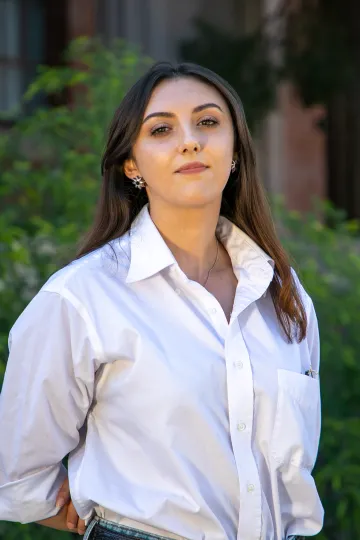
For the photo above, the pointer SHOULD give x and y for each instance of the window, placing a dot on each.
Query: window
(22, 35)
(111, 20)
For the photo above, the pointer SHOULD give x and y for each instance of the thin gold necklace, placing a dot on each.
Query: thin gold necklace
(217, 252)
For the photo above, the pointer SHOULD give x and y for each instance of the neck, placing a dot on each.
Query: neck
(190, 235)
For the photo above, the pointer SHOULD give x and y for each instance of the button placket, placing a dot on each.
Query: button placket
(212, 307)
(207, 302)
(240, 390)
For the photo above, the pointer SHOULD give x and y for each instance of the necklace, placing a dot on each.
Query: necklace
(217, 252)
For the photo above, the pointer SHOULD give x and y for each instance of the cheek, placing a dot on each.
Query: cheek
(224, 142)
(220, 145)
(222, 155)
(153, 155)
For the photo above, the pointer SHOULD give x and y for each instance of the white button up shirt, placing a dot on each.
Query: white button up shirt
(175, 421)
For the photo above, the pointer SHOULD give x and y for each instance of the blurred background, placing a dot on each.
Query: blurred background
(64, 68)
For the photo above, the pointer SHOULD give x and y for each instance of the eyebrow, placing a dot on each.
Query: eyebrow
(197, 109)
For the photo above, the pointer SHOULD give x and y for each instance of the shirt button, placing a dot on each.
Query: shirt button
(238, 364)
(213, 310)
(250, 488)
(241, 427)
(178, 291)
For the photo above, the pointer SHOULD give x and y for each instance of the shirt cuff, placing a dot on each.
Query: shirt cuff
(32, 498)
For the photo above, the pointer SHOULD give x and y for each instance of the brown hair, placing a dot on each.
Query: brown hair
(243, 200)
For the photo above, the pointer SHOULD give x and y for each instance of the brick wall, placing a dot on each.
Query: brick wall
(81, 18)
(304, 148)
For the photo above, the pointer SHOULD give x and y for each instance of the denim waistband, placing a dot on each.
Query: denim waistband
(102, 529)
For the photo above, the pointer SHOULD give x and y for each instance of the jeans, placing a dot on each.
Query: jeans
(102, 529)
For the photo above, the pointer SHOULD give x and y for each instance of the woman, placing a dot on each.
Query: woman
(176, 359)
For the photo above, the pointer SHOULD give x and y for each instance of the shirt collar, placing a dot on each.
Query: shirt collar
(243, 251)
(150, 253)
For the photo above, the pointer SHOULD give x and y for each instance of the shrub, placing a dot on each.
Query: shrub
(328, 261)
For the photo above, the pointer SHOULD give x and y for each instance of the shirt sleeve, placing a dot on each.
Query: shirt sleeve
(47, 391)
(313, 341)
(313, 338)
(312, 331)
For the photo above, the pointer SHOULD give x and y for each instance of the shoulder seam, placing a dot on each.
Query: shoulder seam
(79, 307)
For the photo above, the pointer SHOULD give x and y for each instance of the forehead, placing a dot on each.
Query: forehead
(184, 93)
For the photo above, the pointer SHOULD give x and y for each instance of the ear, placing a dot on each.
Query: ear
(130, 169)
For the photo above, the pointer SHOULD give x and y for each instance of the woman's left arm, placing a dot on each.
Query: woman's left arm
(313, 343)
(313, 339)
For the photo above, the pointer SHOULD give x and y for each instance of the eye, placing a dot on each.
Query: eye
(160, 130)
(209, 121)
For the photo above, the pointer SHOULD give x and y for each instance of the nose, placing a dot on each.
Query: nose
(189, 144)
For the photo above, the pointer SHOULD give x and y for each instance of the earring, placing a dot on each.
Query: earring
(139, 182)
(233, 165)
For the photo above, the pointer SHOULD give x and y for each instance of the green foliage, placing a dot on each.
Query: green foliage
(49, 181)
(14, 531)
(50, 168)
(328, 262)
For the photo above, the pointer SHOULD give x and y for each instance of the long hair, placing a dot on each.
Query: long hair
(243, 200)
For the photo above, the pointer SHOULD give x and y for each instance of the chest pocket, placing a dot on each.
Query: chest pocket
(296, 431)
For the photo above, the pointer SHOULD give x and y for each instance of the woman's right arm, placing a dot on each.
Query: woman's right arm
(67, 518)
(47, 391)
(58, 522)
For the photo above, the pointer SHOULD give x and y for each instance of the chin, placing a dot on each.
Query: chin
(197, 200)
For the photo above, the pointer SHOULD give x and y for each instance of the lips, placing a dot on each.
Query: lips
(195, 166)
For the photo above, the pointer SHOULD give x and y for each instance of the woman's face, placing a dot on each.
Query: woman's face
(186, 121)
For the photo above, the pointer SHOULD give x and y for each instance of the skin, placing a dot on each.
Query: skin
(67, 519)
(185, 208)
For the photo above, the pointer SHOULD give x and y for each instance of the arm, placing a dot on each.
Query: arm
(313, 342)
(313, 338)
(67, 518)
(47, 391)
(58, 522)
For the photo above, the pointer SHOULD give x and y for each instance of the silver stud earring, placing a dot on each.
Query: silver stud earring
(139, 182)
(233, 165)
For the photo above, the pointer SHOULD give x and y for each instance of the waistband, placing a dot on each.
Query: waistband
(99, 528)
